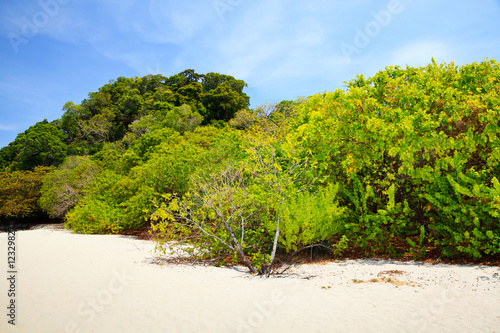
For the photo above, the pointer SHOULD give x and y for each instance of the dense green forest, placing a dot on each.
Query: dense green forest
(398, 163)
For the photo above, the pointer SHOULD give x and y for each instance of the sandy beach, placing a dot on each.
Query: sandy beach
(105, 283)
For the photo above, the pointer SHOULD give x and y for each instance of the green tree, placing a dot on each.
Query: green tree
(130, 105)
(7, 155)
(183, 79)
(40, 145)
(222, 103)
(182, 119)
(73, 114)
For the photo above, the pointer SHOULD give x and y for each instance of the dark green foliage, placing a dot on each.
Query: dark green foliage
(222, 103)
(7, 155)
(223, 97)
(181, 101)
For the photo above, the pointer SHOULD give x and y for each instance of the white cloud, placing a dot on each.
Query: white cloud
(419, 53)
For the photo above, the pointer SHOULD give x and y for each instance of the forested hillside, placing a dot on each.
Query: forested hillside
(402, 162)
(107, 124)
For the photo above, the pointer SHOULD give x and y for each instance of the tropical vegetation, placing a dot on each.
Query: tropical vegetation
(402, 162)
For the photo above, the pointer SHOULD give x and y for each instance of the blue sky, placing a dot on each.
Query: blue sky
(55, 51)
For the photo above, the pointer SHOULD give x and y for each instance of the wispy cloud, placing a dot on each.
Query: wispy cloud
(24, 95)
(141, 35)
(7, 128)
(179, 21)
(420, 52)
(271, 37)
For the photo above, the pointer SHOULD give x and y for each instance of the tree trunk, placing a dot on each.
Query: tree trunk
(267, 269)
(247, 262)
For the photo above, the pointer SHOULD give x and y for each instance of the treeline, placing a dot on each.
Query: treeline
(123, 107)
(399, 163)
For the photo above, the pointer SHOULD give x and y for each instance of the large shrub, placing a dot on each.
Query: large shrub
(20, 191)
(417, 152)
(97, 211)
(63, 187)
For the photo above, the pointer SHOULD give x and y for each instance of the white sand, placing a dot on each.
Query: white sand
(83, 283)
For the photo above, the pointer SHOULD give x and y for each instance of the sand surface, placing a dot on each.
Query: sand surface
(88, 283)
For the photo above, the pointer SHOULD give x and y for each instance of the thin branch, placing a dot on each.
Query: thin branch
(309, 247)
(186, 218)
